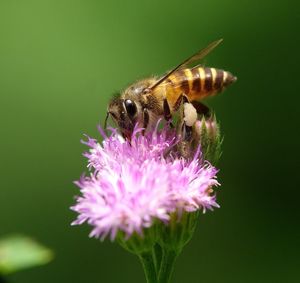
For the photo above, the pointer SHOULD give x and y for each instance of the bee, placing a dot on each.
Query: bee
(147, 100)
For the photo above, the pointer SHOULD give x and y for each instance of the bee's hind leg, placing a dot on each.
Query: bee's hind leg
(201, 108)
(186, 132)
(187, 118)
(185, 145)
(188, 114)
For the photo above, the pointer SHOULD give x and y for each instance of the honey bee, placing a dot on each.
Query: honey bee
(147, 100)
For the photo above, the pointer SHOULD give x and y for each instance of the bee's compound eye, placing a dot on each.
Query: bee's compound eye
(130, 107)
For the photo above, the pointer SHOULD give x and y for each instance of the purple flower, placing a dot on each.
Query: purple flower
(133, 183)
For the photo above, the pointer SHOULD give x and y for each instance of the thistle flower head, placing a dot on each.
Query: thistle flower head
(131, 184)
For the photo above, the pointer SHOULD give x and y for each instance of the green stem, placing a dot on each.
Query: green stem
(167, 266)
(157, 256)
(148, 264)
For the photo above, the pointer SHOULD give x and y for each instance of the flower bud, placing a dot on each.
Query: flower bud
(208, 135)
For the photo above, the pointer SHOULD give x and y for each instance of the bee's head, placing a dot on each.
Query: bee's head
(124, 113)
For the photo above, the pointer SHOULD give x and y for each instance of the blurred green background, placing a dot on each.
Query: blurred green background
(60, 61)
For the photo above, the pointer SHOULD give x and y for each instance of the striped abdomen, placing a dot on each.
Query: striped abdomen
(198, 82)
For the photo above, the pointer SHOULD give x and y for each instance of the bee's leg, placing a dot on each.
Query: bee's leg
(188, 116)
(185, 125)
(188, 122)
(167, 112)
(201, 108)
(178, 103)
(146, 119)
(187, 132)
(188, 112)
(185, 146)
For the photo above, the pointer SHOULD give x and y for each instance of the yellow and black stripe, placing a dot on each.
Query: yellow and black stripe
(199, 82)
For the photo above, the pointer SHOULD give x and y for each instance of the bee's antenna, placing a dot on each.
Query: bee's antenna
(106, 118)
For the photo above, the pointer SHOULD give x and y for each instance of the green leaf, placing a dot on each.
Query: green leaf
(19, 252)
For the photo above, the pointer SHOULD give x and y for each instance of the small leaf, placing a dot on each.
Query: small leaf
(19, 252)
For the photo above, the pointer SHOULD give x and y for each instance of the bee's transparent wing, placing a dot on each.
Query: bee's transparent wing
(196, 57)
